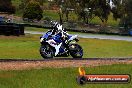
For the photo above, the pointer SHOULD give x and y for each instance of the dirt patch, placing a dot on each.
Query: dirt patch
(22, 65)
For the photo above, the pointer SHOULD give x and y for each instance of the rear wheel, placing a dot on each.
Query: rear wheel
(46, 51)
(76, 51)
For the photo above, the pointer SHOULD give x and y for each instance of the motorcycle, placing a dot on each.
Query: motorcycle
(67, 47)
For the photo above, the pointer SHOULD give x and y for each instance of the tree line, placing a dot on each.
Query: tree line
(85, 10)
(88, 9)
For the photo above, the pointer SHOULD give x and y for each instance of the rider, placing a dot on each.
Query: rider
(56, 29)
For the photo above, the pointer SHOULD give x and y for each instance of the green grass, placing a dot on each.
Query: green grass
(60, 77)
(51, 14)
(16, 2)
(110, 22)
(28, 47)
(106, 48)
(19, 47)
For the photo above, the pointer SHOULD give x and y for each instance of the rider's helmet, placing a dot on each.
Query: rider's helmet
(54, 26)
(53, 23)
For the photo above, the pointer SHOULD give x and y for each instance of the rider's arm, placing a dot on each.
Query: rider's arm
(65, 32)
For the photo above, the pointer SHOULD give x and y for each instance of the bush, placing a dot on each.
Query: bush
(33, 11)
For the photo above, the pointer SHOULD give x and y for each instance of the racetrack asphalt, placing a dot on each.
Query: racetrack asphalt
(94, 36)
(52, 59)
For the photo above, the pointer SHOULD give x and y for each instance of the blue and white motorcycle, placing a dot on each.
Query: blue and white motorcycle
(55, 46)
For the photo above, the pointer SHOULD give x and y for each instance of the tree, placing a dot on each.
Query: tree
(79, 10)
(123, 10)
(6, 6)
(86, 9)
(128, 9)
(102, 10)
(65, 7)
(25, 2)
(33, 11)
(118, 10)
(91, 8)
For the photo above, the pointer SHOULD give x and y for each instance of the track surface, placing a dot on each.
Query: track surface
(52, 59)
(23, 64)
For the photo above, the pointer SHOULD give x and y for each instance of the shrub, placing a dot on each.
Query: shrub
(33, 11)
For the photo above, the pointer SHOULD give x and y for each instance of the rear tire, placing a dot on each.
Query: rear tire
(76, 51)
(46, 51)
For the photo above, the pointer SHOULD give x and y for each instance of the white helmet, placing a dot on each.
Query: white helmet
(53, 23)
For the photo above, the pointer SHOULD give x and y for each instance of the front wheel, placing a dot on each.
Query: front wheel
(76, 51)
(46, 51)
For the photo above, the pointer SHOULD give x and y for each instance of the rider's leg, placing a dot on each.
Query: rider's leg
(54, 44)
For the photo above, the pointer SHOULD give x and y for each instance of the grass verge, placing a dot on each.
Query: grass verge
(60, 77)
(28, 47)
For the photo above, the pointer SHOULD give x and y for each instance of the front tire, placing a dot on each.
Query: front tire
(46, 51)
(76, 51)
